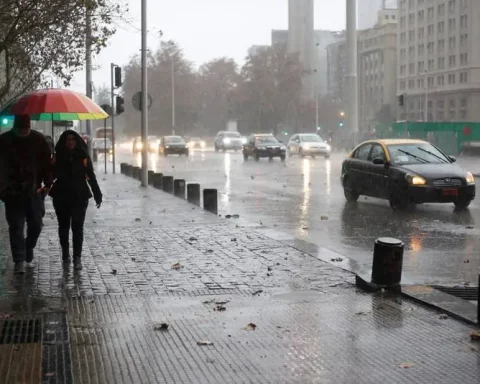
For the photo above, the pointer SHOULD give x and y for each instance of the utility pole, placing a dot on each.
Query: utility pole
(173, 95)
(112, 115)
(88, 59)
(352, 80)
(144, 120)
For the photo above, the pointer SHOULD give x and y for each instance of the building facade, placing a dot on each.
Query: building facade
(301, 40)
(377, 68)
(367, 11)
(439, 60)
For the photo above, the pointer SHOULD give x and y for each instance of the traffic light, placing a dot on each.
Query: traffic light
(4, 121)
(118, 77)
(119, 107)
(401, 100)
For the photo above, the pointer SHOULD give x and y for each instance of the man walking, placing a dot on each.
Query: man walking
(25, 177)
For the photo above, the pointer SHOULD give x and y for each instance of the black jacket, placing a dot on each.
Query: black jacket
(73, 172)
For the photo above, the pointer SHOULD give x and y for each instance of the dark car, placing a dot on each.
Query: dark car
(406, 172)
(173, 145)
(264, 145)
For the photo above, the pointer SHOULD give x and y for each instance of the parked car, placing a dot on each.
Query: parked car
(173, 145)
(264, 145)
(308, 144)
(226, 140)
(405, 172)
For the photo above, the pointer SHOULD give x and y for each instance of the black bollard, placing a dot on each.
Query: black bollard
(129, 170)
(179, 188)
(167, 184)
(478, 301)
(150, 177)
(193, 193)
(122, 168)
(137, 173)
(210, 202)
(157, 180)
(387, 262)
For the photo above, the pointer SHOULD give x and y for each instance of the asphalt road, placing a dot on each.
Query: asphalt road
(304, 199)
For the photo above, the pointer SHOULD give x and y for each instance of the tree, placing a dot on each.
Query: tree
(40, 37)
(385, 115)
(103, 96)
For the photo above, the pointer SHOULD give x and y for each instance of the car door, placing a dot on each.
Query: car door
(357, 169)
(377, 173)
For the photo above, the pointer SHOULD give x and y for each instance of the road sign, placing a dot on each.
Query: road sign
(137, 101)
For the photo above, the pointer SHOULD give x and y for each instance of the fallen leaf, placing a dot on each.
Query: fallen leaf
(133, 259)
(475, 336)
(443, 317)
(235, 216)
(228, 216)
(470, 227)
(192, 239)
(114, 272)
(336, 260)
(220, 308)
(222, 302)
(204, 342)
(161, 327)
(324, 218)
(406, 365)
(176, 266)
(361, 313)
(208, 301)
(250, 327)
(257, 292)
(138, 219)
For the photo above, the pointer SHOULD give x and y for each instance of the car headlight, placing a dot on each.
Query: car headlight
(470, 178)
(167, 146)
(227, 141)
(416, 180)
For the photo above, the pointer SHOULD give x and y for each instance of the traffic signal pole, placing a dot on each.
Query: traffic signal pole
(112, 94)
(144, 102)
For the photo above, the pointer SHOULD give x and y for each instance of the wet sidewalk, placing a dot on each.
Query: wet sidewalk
(172, 294)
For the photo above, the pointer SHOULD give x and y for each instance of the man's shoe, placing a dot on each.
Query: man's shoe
(19, 268)
(29, 255)
(77, 264)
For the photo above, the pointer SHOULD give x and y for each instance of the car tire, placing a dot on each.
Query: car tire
(462, 204)
(283, 158)
(399, 201)
(350, 194)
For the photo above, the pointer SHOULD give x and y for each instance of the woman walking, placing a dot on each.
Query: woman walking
(72, 169)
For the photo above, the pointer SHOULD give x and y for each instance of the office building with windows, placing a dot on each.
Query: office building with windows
(438, 67)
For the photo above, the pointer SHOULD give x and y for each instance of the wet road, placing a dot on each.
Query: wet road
(304, 198)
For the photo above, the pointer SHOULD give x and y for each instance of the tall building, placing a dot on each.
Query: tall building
(377, 66)
(439, 60)
(301, 40)
(322, 39)
(368, 9)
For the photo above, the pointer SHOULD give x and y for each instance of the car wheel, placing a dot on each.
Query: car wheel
(399, 200)
(350, 194)
(282, 158)
(462, 204)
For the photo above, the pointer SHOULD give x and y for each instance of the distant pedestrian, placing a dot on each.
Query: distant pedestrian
(25, 178)
(72, 170)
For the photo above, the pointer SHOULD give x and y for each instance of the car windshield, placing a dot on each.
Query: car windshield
(311, 139)
(231, 135)
(421, 153)
(174, 140)
(266, 140)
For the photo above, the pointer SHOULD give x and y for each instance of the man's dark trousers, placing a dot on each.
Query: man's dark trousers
(19, 210)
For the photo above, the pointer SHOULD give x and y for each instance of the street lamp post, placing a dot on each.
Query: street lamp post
(173, 95)
(144, 103)
(316, 89)
(352, 111)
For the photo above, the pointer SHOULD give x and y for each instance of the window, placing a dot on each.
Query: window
(411, 36)
(411, 18)
(411, 52)
(463, 58)
(441, 45)
(441, 10)
(421, 66)
(431, 64)
(403, 54)
(441, 63)
(430, 13)
(440, 104)
(431, 48)
(463, 113)
(451, 5)
(451, 103)
(421, 49)
(431, 30)
(463, 40)
(430, 82)
(402, 85)
(411, 84)
(403, 70)
(452, 61)
(451, 43)
(440, 80)
(451, 78)
(463, 3)
(377, 152)
(403, 37)
(421, 33)
(463, 77)
(452, 24)
(363, 152)
(411, 69)
(463, 103)
(403, 21)
(441, 27)
(420, 83)
(421, 16)
(463, 21)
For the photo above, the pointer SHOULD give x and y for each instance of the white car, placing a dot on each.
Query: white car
(226, 140)
(308, 144)
(98, 145)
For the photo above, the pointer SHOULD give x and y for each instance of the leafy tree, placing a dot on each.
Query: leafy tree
(103, 96)
(41, 37)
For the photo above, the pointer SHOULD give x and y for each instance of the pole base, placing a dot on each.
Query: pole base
(363, 282)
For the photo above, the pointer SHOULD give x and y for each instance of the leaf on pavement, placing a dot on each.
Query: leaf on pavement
(475, 335)
(161, 327)
(406, 365)
(204, 342)
(177, 266)
(323, 217)
(250, 327)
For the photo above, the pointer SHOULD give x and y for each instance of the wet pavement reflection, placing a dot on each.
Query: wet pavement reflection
(304, 198)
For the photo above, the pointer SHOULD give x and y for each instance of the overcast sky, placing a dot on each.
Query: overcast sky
(206, 29)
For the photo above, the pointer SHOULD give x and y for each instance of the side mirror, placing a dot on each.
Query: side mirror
(453, 159)
(378, 161)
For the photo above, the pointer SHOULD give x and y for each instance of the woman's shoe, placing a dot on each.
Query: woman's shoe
(77, 264)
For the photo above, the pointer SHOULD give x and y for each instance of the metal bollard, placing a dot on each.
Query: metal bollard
(129, 170)
(167, 184)
(387, 262)
(179, 188)
(478, 301)
(136, 173)
(157, 180)
(193, 193)
(210, 201)
(150, 177)
(122, 168)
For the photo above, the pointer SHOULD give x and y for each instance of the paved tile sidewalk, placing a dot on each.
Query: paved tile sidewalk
(312, 325)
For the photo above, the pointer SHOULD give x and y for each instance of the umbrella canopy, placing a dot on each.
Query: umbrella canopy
(54, 104)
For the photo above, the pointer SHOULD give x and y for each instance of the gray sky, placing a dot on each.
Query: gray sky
(206, 29)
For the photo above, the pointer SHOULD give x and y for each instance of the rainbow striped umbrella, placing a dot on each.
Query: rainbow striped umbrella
(54, 104)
